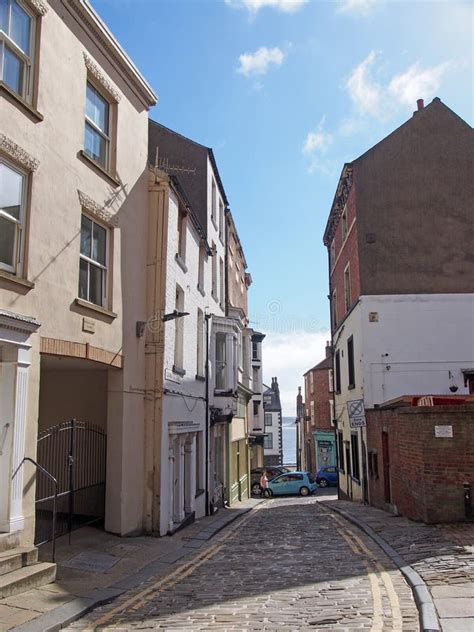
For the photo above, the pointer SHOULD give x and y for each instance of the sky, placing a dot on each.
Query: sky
(285, 92)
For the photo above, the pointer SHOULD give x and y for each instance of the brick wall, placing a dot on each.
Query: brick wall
(426, 472)
(346, 252)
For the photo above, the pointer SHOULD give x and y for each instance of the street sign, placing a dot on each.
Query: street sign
(356, 411)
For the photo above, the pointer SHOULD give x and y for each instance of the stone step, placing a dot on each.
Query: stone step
(9, 541)
(17, 558)
(26, 578)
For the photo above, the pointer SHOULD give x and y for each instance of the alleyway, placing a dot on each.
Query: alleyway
(290, 564)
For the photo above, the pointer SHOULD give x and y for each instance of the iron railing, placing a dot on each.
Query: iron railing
(55, 497)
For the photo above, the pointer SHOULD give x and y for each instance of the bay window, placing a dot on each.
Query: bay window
(93, 262)
(221, 362)
(97, 127)
(16, 47)
(12, 216)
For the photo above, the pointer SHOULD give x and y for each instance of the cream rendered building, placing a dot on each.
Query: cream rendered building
(73, 190)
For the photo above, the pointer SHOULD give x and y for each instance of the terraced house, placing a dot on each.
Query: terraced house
(73, 196)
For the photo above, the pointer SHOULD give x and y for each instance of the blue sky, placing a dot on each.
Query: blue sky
(285, 91)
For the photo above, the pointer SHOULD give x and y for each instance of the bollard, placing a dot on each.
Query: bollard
(467, 501)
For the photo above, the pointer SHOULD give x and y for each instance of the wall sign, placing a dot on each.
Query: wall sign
(356, 411)
(444, 432)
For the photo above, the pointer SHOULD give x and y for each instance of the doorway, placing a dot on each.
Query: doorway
(386, 468)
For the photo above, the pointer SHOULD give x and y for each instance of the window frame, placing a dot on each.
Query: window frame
(110, 116)
(334, 309)
(355, 465)
(340, 451)
(347, 288)
(351, 363)
(221, 363)
(337, 367)
(268, 439)
(332, 253)
(90, 261)
(182, 230)
(28, 61)
(200, 362)
(213, 201)
(178, 351)
(266, 417)
(19, 246)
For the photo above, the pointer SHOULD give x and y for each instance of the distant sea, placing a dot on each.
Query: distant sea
(289, 441)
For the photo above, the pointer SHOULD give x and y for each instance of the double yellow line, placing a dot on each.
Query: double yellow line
(138, 600)
(373, 567)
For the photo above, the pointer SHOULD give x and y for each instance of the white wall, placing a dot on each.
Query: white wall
(415, 343)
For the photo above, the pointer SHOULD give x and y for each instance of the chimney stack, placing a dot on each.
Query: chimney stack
(420, 104)
(328, 349)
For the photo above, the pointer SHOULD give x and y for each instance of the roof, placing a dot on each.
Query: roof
(324, 364)
(181, 193)
(102, 35)
(345, 179)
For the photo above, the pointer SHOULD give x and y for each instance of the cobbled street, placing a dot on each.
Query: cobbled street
(290, 564)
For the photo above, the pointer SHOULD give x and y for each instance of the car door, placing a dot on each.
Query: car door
(332, 475)
(294, 483)
(278, 485)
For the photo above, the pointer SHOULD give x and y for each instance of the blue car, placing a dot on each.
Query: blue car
(301, 483)
(327, 476)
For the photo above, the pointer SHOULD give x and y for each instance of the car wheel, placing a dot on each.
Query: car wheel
(267, 493)
(304, 491)
(323, 482)
(256, 489)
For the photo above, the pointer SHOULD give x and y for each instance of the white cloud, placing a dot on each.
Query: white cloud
(364, 91)
(417, 83)
(357, 7)
(315, 146)
(287, 356)
(317, 141)
(254, 6)
(258, 63)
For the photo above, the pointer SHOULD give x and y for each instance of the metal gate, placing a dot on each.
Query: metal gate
(74, 452)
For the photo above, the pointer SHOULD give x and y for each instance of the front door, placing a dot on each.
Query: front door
(386, 468)
(7, 418)
(348, 470)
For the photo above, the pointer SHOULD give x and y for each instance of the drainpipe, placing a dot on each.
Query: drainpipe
(207, 317)
(333, 421)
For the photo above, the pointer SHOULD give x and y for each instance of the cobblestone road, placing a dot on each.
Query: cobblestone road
(290, 564)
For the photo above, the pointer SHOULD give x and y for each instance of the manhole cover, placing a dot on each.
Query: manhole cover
(96, 562)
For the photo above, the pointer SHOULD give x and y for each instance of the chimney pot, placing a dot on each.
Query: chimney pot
(420, 104)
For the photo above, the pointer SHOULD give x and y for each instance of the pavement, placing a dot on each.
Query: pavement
(282, 564)
(97, 567)
(290, 564)
(442, 555)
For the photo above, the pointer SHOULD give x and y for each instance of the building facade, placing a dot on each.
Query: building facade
(398, 329)
(71, 241)
(256, 405)
(273, 423)
(318, 429)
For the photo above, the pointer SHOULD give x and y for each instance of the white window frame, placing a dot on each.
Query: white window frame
(311, 405)
(222, 363)
(28, 61)
(19, 245)
(214, 271)
(268, 439)
(347, 287)
(107, 137)
(182, 234)
(178, 354)
(221, 282)
(201, 267)
(268, 423)
(311, 382)
(200, 344)
(90, 261)
(334, 309)
(333, 253)
(221, 220)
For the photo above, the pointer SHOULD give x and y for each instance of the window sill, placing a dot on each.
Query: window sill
(356, 480)
(201, 290)
(200, 378)
(180, 261)
(199, 492)
(15, 280)
(223, 393)
(95, 308)
(351, 387)
(179, 371)
(221, 239)
(214, 223)
(97, 167)
(15, 98)
(214, 296)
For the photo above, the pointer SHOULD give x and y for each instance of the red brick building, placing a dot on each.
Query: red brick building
(318, 429)
(421, 457)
